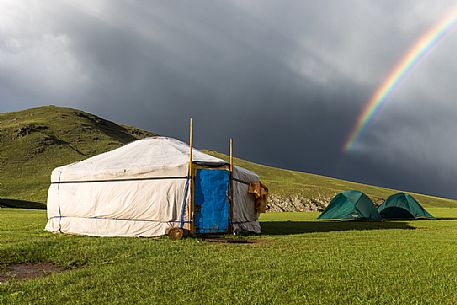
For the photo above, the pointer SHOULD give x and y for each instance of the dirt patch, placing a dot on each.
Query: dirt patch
(28, 129)
(27, 271)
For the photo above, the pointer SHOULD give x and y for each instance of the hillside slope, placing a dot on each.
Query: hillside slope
(35, 141)
(298, 191)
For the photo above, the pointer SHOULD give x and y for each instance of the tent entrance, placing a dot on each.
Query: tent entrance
(396, 213)
(211, 201)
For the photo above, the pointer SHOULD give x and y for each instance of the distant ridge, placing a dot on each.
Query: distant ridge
(35, 141)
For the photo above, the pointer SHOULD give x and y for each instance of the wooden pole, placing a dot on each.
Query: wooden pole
(231, 155)
(231, 188)
(191, 182)
(190, 144)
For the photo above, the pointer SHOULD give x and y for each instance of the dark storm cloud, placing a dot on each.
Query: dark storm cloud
(286, 79)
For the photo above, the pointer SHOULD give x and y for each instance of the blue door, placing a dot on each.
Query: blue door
(211, 204)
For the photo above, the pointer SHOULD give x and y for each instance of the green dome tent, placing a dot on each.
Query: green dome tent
(350, 205)
(402, 206)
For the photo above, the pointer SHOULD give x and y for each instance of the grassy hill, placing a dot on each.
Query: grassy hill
(35, 141)
(287, 183)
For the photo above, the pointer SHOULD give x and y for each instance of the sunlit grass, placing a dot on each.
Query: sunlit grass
(297, 260)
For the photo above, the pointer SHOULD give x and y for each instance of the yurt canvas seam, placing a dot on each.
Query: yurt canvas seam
(240, 181)
(119, 180)
(120, 219)
(60, 212)
(183, 209)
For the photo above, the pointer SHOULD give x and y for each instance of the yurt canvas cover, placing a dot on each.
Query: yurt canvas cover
(142, 189)
(402, 206)
(350, 205)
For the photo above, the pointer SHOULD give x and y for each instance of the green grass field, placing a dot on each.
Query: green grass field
(297, 260)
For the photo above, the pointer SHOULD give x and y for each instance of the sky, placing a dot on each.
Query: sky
(286, 79)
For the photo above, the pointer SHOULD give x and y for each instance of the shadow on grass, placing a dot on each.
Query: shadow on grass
(21, 204)
(444, 218)
(299, 227)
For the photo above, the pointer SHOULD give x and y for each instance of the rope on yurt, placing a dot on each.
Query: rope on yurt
(60, 212)
(117, 180)
(240, 181)
(183, 210)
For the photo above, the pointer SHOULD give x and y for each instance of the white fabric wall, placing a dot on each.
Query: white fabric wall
(150, 206)
(245, 216)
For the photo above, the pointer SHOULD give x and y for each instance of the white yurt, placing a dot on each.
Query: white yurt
(144, 189)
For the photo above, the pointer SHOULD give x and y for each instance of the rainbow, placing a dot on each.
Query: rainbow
(418, 51)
